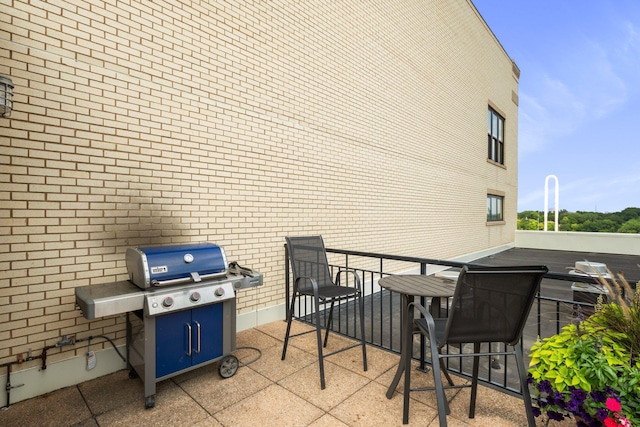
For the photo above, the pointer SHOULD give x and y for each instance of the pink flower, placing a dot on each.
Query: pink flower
(613, 405)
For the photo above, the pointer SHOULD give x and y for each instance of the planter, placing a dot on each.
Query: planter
(585, 371)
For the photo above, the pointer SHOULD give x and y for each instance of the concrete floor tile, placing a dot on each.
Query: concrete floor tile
(492, 408)
(256, 338)
(278, 328)
(90, 422)
(210, 421)
(327, 421)
(112, 391)
(273, 367)
(378, 361)
(369, 407)
(309, 342)
(215, 393)
(273, 406)
(340, 384)
(421, 379)
(59, 408)
(173, 407)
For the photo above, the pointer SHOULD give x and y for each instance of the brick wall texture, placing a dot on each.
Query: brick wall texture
(238, 122)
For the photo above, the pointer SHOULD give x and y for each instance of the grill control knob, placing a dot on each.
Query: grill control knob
(195, 297)
(219, 292)
(167, 302)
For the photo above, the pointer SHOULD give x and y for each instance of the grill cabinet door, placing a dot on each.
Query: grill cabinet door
(207, 327)
(172, 342)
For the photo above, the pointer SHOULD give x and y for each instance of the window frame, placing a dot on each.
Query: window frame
(495, 208)
(495, 136)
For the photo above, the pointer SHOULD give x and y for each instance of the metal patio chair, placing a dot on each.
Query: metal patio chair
(312, 278)
(490, 305)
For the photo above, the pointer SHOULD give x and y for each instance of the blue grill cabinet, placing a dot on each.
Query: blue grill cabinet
(162, 346)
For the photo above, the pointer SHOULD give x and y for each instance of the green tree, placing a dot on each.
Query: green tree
(528, 224)
(630, 213)
(625, 221)
(631, 226)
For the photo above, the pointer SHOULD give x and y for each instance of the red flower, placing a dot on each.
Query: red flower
(613, 405)
(610, 422)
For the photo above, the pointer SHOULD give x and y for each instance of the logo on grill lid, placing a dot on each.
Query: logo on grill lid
(159, 269)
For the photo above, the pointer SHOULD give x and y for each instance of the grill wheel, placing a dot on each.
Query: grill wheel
(228, 366)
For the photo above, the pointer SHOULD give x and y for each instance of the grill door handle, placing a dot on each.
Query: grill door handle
(189, 340)
(198, 340)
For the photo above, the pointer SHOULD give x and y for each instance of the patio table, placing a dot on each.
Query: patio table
(411, 286)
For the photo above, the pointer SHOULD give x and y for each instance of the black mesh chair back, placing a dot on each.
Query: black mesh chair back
(312, 277)
(489, 305)
(309, 259)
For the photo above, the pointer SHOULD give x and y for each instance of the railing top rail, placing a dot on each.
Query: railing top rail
(448, 263)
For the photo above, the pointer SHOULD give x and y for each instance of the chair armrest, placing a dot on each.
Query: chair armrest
(431, 324)
(314, 284)
(356, 278)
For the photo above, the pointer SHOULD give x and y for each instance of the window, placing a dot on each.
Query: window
(494, 207)
(495, 137)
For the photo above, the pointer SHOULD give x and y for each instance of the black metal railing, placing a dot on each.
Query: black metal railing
(383, 320)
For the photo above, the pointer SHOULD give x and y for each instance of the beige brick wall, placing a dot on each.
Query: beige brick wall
(140, 123)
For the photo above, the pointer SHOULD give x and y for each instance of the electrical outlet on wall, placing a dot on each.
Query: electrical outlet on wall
(91, 360)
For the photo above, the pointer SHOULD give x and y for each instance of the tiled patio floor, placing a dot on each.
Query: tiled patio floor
(267, 392)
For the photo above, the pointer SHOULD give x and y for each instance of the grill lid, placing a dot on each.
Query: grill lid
(172, 264)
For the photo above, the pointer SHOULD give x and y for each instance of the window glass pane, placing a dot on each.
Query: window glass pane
(495, 149)
(494, 126)
(494, 207)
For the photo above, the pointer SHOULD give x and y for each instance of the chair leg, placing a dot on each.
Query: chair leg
(289, 319)
(407, 387)
(319, 338)
(445, 372)
(474, 380)
(441, 397)
(523, 384)
(407, 356)
(364, 347)
(329, 324)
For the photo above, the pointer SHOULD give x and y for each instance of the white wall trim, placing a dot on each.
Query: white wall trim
(606, 243)
(33, 381)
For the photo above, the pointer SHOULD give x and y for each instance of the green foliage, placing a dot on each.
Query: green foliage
(585, 358)
(578, 357)
(529, 224)
(630, 226)
(626, 221)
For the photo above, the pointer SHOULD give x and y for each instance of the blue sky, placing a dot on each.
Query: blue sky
(579, 111)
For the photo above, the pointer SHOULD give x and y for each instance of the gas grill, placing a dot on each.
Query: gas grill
(180, 310)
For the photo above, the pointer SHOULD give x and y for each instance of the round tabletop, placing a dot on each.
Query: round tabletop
(419, 285)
